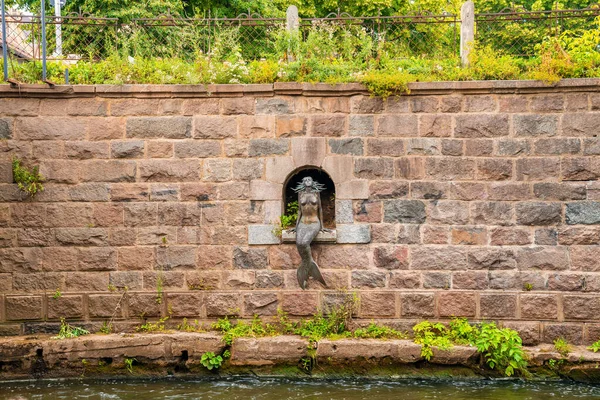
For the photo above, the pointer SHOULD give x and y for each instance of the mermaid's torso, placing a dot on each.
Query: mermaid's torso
(309, 204)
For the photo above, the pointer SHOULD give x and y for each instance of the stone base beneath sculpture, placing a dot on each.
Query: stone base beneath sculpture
(287, 236)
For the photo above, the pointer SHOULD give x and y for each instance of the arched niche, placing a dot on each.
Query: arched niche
(327, 195)
(308, 153)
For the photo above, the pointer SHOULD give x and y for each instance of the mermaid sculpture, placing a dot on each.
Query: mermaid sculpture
(308, 225)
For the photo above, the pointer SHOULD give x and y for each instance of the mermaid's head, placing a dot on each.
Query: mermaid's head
(309, 184)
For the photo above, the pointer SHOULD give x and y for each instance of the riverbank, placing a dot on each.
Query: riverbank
(181, 354)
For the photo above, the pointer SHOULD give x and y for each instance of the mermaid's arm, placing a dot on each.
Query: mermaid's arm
(320, 212)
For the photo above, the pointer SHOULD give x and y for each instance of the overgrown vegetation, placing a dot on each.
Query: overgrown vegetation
(500, 347)
(68, 332)
(562, 347)
(331, 53)
(148, 327)
(595, 347)
(29, 181)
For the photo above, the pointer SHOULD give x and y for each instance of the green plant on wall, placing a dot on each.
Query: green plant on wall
(211, 361)
(29, 181)
(288, 219)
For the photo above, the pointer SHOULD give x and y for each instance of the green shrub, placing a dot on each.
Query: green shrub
(67, 331)
(501, 348)
(562, 347)
(29, 181)
(211, 361)
(595, 347)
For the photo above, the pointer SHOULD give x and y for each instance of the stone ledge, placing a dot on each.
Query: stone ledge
(160, 354)
(293, 88)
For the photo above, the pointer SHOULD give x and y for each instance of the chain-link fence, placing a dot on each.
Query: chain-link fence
(75, 37)
(519, 33)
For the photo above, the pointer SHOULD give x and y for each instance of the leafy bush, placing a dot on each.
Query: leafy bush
(595, 347)
(211, 361)
(562, 347)
(67, 331)
(149, 327)
(29, 181)
(502, 348)
(376, 331)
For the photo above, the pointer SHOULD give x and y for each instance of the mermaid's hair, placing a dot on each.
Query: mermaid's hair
(318, 187)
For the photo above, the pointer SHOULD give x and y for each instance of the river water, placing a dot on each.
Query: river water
(255, 388)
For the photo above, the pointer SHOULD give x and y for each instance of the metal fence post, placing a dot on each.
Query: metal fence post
(43, 15)
(4, 49)
(467, 31)
(292, 24)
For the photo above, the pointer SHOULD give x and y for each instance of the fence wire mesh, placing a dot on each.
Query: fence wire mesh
(519, 33)
(76, 36)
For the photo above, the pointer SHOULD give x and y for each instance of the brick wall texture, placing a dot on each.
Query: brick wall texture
(480, 205)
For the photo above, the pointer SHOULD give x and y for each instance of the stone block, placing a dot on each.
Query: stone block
(260, 304)
(539, 306)
(308, 151)
(557, 146)
(127, 149)
(185, 304)
(217, 170)
(435, 125)
(132, 280)
(422, 146)
(543, 258)
(328, 125)
(159, 127)
(449, 212)
(143, 305)
(361, 125)
(479, 147)
(585, 213)
(397, 125)
(510, 237)
(377, 304)
(451, 147)
(237, 105)
(215, 127)
(491, 169)
(580, 169)
(572, 333)
(374, 168)
(268, 147)
(535, 125)
(169, 170)
(368, 279)
(492, 213)
(410, 168)
(581, 307)
(481, 126)
(176, 257)
(438, 258)
(106, 306)
(470, 280)
(436, 280)
(385, 147)
(339, 168)
(350, 146)
(566, 282)
(404, 211)
(391, 257)
(250, 258)
(560, 191)
(580, 125)
(450, 169)
(300, 304)
(498, 305)
(23, 307)
(108, 171)
(262, 234)
(536, 213)
(416, 305)
(355, 189)
(268, 279)
(65, 307)
(83, 150)
(509, 191)
(469, 236)
(457, 304)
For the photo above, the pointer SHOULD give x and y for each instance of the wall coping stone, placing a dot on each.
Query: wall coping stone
(293, 88)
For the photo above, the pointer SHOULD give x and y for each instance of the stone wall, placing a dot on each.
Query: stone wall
(475, 199)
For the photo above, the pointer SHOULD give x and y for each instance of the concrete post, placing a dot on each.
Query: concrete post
(292, 25)
(467, 31)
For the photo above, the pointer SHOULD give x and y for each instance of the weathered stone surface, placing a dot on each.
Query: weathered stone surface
(448, 212)
(586, 213)
(543, 258)
(397, 125)
(368, 279)
(361, 125)
(417, 305)
(159, 127)
(377, 304)
(539, 306)
(23, 307)
(498, 305)
(537, 169)
(250, 258)
(391, 257)
(535, 125)
(580, 124)
(353, 233)
(352, 146)
(538, 213)
(404, 211)
(220, 304)
(374, 168)
(436, 280)
(482, 125)
(438, 258)
(436, 125)
(457, 304)
(300, 304)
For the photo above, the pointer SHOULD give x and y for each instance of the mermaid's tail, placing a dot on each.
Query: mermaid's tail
(305, 233)
(309, 269)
